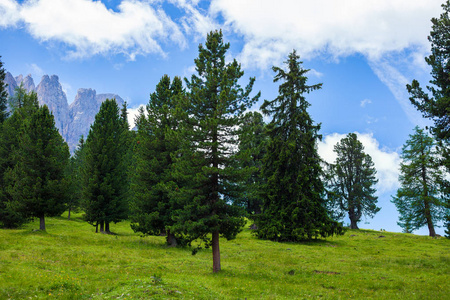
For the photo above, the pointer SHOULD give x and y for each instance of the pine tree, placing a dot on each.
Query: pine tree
(104, 173)
(152, 207)
(352, 180)
(294, 205)
(437, 106)
(216, 105)
(37, 179)
(252, 146)
(74, 178)
(3, 94)
(419, 201)
(12, 213)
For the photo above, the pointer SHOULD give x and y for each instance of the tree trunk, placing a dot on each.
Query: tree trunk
(216, 252)
(429, 220)
(68, 217)
(171, 240)
(353, 224)
(42, 223)
(96, 228)
(102, 228)
(107, 227)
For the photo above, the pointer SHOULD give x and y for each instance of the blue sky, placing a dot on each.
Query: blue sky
(364, 53)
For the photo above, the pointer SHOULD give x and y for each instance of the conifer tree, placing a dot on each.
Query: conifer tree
(37, 179)
(252, 145)
(436, 106)
(3, 94)
(419, 200)
(74, 178)
(352, 180)
(12, 213)
(152, 208)
(216, 105)
(294, 204)
(103, 171)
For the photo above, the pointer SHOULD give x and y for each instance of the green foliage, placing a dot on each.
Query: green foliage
(419, 201)
(294, 204)
(36, 181)
(252, 148)
(437, 106)
(3, 94)
(209, 163)
(74, 177)
(104, 173)
(73, 263)
(351, 181)
(153, 182)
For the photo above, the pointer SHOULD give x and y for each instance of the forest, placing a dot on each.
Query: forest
(200, 166)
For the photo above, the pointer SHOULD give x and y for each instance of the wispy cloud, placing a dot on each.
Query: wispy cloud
(365, 102)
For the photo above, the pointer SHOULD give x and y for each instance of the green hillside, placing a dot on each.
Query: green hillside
(70, 261)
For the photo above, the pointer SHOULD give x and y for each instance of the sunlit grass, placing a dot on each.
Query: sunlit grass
(71, 261)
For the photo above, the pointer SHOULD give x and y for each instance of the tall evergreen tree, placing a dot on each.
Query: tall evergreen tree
(419, 201)
(252, 146)
(12, 213)
(152, 207)
(37, 179)
(437, 105)
(3, 94)
(294, 205)
(103, 171)
(352, 180)
(216, 105)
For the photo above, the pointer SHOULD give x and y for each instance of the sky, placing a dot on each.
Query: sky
(364, 53)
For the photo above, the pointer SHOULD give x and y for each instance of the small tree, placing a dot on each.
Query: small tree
(352, 180)
(152, 207)
(37, 179)
(419, 201)
(103, 171)
(294, 195)
(74, 178)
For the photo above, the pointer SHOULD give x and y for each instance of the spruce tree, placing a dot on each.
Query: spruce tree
(352, 180)
(74, 178)
(104, 172)
(12, 213)
(252, 147)
(152, 207)
(294, 204)
(37, 180)
(3, 94)
(419, 200)
(216, 105)
(436, 106)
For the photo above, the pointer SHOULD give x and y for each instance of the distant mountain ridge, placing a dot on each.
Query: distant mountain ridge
(72, 121)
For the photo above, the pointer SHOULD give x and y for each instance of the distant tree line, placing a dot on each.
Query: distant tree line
(199, 163)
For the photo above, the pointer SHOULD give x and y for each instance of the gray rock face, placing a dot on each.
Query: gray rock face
(11, 82)
(72, 121)
(27, 82)
(50, 92)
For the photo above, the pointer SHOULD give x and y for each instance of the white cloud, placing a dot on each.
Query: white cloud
(336, 28)
(365, 102)
(89, 28)
(386, 162)
(9, 13)
(132, 114)
(36, 71)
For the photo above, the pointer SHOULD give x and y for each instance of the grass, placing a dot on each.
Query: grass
(71, 261)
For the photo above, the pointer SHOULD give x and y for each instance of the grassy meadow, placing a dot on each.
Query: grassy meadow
(71, 261)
